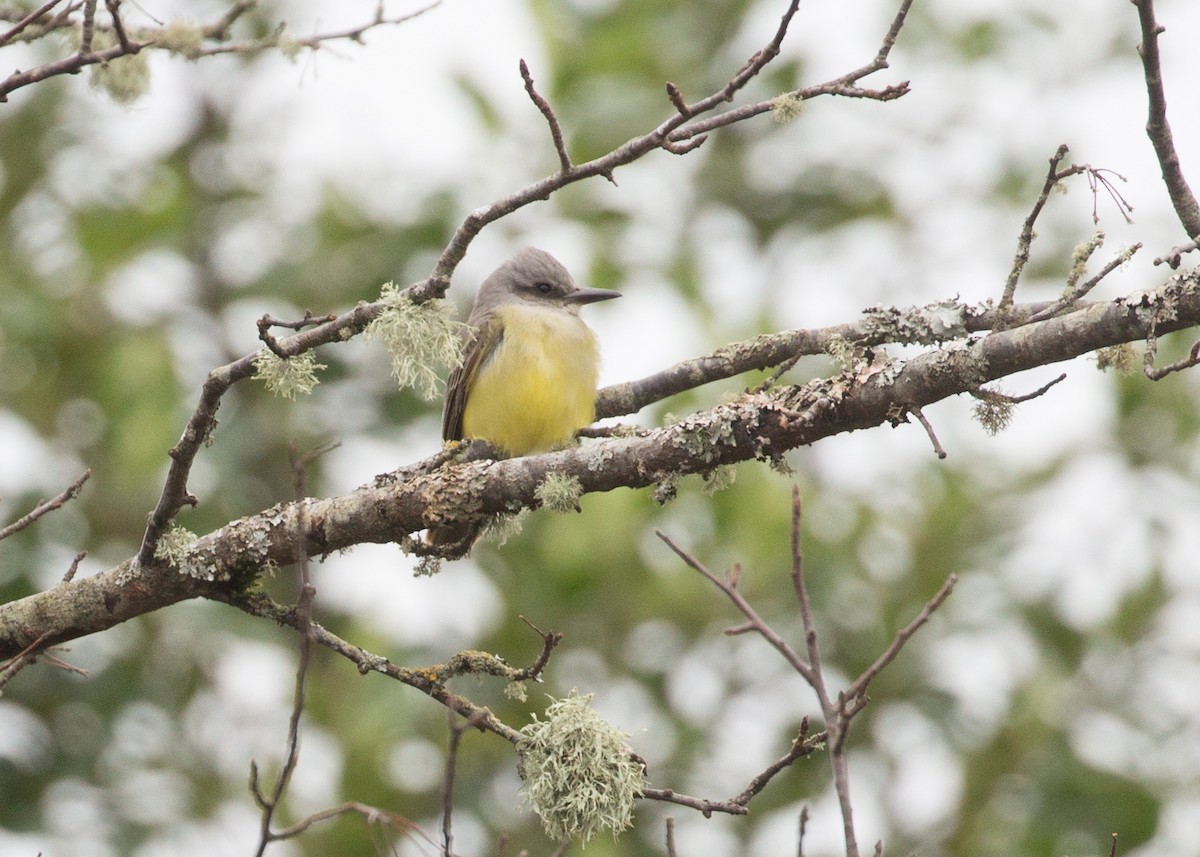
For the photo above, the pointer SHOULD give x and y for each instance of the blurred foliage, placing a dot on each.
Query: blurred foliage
(107, 383)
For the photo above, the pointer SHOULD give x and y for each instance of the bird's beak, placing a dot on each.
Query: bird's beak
(590, 296)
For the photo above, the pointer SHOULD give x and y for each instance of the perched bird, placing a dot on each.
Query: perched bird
(528, 378)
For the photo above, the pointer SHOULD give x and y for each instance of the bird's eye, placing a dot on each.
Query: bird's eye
(544, 288)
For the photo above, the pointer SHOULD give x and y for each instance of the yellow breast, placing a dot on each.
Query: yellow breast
(539, 386)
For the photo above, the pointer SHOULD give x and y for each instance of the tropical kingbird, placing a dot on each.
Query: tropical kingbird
(527, 382)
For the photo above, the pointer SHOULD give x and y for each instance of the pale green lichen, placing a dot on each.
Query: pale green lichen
(174, 545)
(422, 339)
(580, 776)
(666, 489)
(926, 325)
(719, 478)
(516, 690)
(501, 528)
(559, 492)
(786, 107)
(181, 37)
(124, 79)
(994, 412)
(841, 350)
(1121, 358)
(287, 377)
(1079, 260)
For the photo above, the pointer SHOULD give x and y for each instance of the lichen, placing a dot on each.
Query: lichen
(287, 377)
(559, 492)
(422, 339)
(580, 777)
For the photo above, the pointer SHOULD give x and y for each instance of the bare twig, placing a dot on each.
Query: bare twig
(1158, 374)
(730, 589)
(1025, 239)
(925, 424)
(803, 745)
(803, 830)
(550, 639)
(20, 26)
(678, 100)
(27, 656)
(670, 837)
(44, 507)
(269, 805)
(114, 11)
(1075, 294)
(705, 806)
(1173, 257)
(371, 814)
(673, 134)
(70, 574)
(267, 322)
(216, 34)
(995, 395)
(1157, 127)
(543, 105)
(859, 686)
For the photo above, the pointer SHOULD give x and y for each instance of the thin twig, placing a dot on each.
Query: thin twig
(550, 639)
(20, 26)
(1188, 362)
(933, 438)
(1025, 239)
(705, 806)
(995, 395)
(670, 837)
(265, 324)
(543, 105)
(1158, 129)
(44, 507)
(300, 463)
(731, 591)
(803, 830)
(858, 689)
(70, 574)
(803, 745)
(1069, 300)
(371, 814)
(27, 656)
(114, 7)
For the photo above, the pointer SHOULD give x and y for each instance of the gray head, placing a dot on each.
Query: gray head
(534, 277)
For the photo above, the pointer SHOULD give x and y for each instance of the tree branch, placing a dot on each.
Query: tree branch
(1157, 127)
(760, 426)
(71, 492)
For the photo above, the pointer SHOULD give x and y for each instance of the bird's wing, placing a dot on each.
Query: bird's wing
(481, 344)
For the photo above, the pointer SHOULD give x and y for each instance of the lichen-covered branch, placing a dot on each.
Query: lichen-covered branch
(760, 425)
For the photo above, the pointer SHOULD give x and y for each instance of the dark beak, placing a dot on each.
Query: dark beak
(590, 296)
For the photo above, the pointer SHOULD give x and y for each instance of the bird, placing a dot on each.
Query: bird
(527, 381)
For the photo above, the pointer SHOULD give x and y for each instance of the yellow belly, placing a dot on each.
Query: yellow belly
(539, 387)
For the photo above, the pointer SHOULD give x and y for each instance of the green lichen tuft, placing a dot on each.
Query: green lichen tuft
(287, 377)
(579, 775)
(1121, 358)
(174, 544)
(993, 412)
(719, 478)
(422, 339)
(785, 108)
(559, 492)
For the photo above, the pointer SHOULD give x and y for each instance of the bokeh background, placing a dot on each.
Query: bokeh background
(1055, 698)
